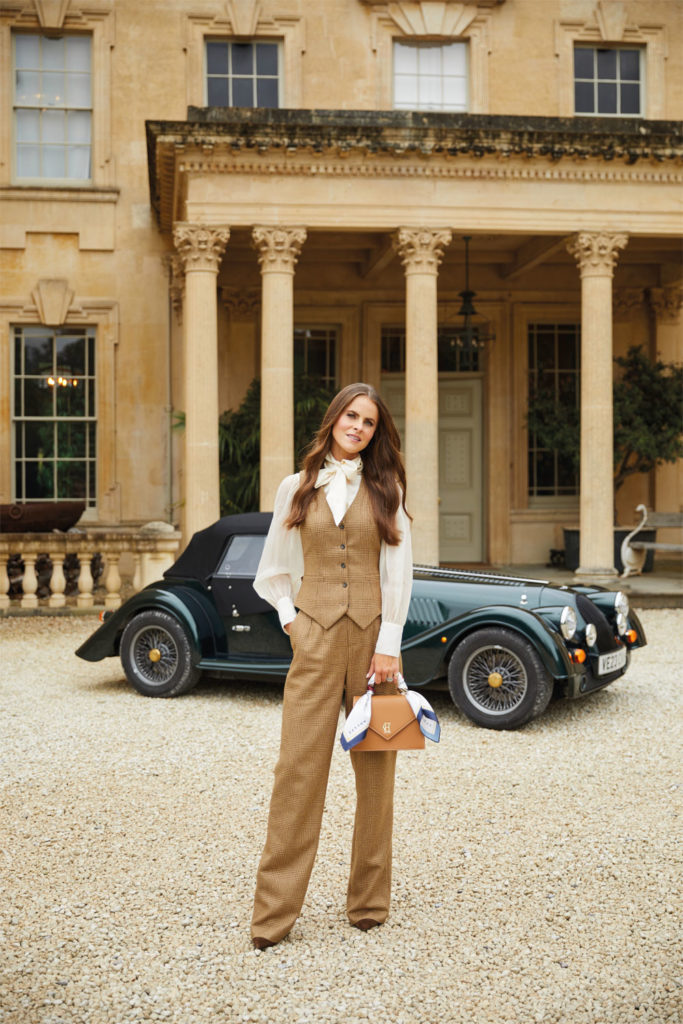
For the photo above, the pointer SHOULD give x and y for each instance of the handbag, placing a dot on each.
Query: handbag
(390, 722)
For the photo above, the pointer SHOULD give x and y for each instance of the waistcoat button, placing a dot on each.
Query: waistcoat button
(343, 565)
(344, 584)
(342, 546)
(341, 526)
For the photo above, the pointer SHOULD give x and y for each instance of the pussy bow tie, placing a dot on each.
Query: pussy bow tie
(334, 475)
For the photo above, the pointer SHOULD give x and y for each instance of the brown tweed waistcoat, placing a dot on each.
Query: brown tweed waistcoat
(341, 563)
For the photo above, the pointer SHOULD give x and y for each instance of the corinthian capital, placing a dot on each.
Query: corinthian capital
(666, 303)
(596, 252)
(420, 249)
(278, 248)
(200, 247)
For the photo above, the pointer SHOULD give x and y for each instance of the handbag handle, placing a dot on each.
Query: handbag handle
(401, 684)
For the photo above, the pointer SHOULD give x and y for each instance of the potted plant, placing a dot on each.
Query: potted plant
(648, 428)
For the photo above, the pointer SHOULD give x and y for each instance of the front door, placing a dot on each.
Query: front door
(461, 535)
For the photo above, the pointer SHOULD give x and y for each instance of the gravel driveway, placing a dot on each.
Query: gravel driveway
(535, 872)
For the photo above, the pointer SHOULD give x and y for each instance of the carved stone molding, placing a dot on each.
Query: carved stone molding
(666, 303)
(242, 305)
(200, 247)
(596, 252)
(625, 301)
(421, 250)
(278, 248)
(52, 297)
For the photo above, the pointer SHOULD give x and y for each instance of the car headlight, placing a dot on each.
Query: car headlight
(622, 623)
(568, 622)
(621, 605)
(591, 634)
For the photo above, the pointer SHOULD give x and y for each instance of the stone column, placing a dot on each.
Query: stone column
(200, 249)
(666, 304)
(596, 254)
(278, 250)
(421, 252)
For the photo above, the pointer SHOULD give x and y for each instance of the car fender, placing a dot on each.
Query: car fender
(189, 604)
(526, 623)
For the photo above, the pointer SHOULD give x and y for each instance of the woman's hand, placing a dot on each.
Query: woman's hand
(288, 627)
(384, 667)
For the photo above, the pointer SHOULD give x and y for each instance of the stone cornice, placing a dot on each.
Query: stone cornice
(368, 143)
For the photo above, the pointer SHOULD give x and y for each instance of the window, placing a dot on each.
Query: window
(607, 81)
(452, 358)
(242, 74)
(554, 392)
(315, 354)
(430, 76)
(54, 414)
(242, 557)
(52, 107)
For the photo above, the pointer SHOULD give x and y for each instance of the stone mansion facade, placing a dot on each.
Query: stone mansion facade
(195, 193)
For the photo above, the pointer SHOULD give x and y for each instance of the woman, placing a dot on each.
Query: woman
(339, 549)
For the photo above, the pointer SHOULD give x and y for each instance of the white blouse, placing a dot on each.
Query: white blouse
(281, 568)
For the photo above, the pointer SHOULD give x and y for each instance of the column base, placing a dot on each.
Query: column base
(602, 576)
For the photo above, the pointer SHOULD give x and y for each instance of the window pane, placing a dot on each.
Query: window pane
(405, 59)
(454, 94)
(91, 440)
(607, 98)
(630, 99)
(27, 88)
(27, 49)
(71, 399)
(53, 52)
(78, 90)
(583, 98)
(39, 439)
(242, 59)
(429, 60)
(92, 485)
(583, 63)
(267, 92)
(607, 63)
(54, 90)
(71, 440)
(78, 126)
(629, 62)
(91, 397)
(28, 125)
(454, 59)
(405, 90)
(71, 479)
(39, 480)
(54, 161)
(37, 355)
(78, 53)
(28, 161)
(430, 91)
(266, 58)
(217, 58)
(243, 92)
(54, 126)
(37, 398)
(78, 163)
(70, 356)
(217, 92)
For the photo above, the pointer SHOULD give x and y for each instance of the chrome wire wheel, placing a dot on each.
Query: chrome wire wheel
(494, 680)
(155, 654)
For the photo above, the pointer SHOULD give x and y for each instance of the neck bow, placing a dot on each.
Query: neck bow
(334, 476)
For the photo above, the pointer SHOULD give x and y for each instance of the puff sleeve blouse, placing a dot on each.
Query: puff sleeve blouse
(281, 568)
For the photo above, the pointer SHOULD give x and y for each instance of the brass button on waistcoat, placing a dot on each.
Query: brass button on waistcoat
(343, 565)
(342, 546)
(344, 584)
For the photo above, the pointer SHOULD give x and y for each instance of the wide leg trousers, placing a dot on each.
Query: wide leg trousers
(326, 664)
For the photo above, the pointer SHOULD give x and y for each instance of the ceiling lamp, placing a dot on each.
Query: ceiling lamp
(469, 335)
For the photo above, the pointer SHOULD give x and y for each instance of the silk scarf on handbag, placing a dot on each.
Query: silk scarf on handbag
(368, 725)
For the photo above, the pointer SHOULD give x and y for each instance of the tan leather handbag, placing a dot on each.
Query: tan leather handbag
(393, 725)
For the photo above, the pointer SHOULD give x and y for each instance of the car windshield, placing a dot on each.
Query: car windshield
(242, 556)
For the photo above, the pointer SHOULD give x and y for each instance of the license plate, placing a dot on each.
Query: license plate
(612, 661)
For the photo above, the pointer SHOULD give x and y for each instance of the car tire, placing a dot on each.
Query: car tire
(156, 655)
(497, 679)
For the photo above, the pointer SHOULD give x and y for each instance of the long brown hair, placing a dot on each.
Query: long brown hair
(382, 464)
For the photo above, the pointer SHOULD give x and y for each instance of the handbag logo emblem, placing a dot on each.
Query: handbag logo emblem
(386, 728)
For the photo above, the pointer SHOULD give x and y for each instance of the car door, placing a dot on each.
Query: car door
(252, 625)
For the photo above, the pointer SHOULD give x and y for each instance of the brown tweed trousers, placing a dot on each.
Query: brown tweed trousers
(333, 640)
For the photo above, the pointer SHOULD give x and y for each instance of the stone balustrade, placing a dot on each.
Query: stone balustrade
(130, 559)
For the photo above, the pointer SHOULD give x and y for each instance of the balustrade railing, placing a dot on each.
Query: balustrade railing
(82, 569)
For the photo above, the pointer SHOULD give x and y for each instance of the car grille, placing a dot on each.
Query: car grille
(591, 613)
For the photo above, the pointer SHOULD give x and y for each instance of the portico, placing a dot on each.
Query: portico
(356, 221)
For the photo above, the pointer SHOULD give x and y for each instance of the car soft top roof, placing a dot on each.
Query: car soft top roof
(200, 558)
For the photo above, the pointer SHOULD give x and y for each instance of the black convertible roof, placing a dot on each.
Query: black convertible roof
(200, 558)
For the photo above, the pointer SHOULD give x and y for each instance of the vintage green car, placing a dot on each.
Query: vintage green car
(501, 644)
